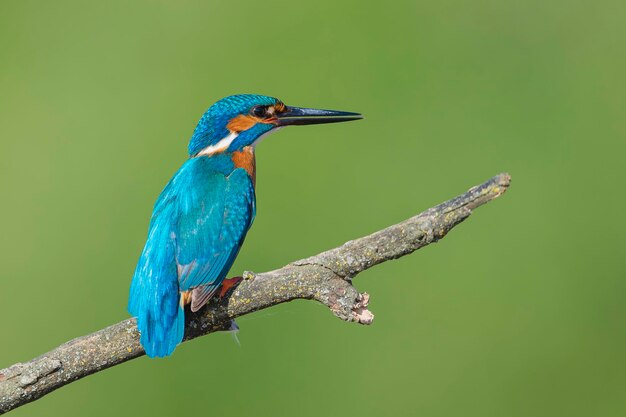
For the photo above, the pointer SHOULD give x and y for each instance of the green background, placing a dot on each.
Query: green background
(518, 312)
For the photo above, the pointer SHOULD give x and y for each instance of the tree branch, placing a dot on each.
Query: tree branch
(326, 277)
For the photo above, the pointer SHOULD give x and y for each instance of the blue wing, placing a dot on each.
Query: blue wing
(211, 230)
(198, 225)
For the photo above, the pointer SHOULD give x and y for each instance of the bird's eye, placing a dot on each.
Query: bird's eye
(258, 111)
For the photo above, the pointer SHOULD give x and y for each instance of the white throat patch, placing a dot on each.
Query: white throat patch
(220, 146)
(264, 135)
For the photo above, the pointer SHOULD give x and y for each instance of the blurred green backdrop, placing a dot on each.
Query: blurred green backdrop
(519, 312)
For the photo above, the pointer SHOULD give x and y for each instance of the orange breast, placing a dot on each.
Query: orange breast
(245, 159)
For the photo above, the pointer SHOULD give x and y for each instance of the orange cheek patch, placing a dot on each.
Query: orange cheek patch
(241, 123)
(245, 122)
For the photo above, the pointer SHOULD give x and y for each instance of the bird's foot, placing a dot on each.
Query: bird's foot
(229, 284)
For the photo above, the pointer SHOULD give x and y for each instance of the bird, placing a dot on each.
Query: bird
(201, 218)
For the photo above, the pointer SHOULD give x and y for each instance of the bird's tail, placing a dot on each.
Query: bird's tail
(161, 324)
(158, 337)
(160, 317)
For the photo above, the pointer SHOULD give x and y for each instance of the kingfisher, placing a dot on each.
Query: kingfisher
(202, 216)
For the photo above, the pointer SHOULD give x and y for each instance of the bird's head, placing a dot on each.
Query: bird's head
(238, 121)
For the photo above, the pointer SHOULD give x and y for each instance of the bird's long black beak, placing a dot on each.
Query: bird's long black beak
(303, 116)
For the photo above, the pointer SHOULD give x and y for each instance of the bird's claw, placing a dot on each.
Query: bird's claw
(228, 284)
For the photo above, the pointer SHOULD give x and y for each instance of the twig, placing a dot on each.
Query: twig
(326, 277)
